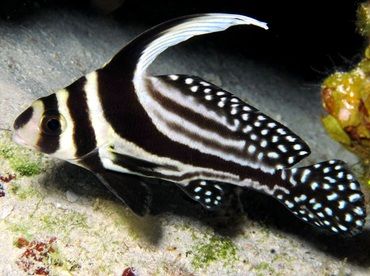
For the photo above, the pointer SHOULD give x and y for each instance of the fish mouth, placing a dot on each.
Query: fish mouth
(20, 141)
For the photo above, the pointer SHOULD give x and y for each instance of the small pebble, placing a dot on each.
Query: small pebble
(130, 271)
(71, 196)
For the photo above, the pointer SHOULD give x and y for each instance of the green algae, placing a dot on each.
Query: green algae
(51, 223)
(59, 262)
(21, 160)
(22, 230)
(214, 249)
(67, 221)
(25, 167)
(24, 191)
(264, 267)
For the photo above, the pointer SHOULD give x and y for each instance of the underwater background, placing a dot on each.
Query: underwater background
(58, 219)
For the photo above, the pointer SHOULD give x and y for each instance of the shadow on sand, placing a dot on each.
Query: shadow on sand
(168, 198)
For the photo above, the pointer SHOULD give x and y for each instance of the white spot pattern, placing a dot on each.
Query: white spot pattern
(267, 135)
(194, 88)
(251, 149)
(208, 193)
(265, 131)
(209, 98)
(189, 80)
(327, 195)
(322, 179)
(173, 77)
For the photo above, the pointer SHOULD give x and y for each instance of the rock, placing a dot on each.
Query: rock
(71, 196)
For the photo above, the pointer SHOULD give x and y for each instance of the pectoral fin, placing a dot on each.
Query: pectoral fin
(130, 189)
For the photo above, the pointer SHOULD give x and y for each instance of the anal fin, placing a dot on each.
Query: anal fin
(208, 193)
(130, 189)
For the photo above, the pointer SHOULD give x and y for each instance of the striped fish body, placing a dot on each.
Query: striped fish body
(127, 126)
(184, 133)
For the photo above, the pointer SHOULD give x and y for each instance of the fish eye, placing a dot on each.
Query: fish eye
(52, 123)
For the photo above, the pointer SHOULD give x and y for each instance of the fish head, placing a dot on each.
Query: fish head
(46, 126)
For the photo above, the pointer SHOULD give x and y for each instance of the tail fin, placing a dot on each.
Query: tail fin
(326, 195)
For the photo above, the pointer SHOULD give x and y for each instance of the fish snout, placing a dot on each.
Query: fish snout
(23, 119)
(26, 130)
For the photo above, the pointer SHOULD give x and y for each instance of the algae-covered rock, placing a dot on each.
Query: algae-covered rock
(346, 97)
(22, 161)
(214, 249)
(363, 19)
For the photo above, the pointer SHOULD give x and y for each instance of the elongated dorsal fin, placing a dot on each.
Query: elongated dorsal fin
(143, 50)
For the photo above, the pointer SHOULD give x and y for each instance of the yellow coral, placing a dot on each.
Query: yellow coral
(363, 19)
(346, 97)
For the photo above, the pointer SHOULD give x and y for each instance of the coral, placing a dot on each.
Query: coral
(345, 96)
(5, 179)
(363, 19)
(346, 99)
(2, 192)
(37, 255)
(130, 271)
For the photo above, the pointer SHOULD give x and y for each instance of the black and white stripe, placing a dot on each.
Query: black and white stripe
(185, 130)
(255, 139)
(139, 135)
(185, 28)
(83, 131)
(78, 137)
(49, 144)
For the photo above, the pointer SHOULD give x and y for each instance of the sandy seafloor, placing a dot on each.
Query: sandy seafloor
(95, 234)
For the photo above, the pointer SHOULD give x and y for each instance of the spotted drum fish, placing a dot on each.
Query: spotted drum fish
(126, 126)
